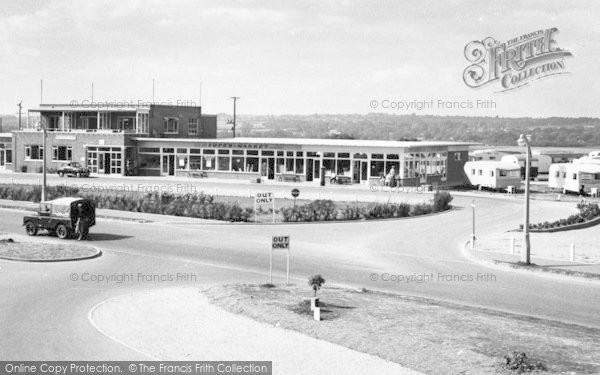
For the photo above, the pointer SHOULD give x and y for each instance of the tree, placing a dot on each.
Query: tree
(316, 282)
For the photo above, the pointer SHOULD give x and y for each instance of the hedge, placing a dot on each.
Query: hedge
(587, 211)
(326, 210)
(190, 205)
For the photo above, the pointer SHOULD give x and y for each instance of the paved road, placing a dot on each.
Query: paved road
(44, 313)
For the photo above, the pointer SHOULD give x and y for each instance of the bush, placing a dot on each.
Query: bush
(190, 205)
(326, 210)
(518, 362)
(587, 211)
(441, 201)
(319, 210)
(24, 168)
(316, 282)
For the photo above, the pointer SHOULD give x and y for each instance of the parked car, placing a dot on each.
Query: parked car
(73, 168)
(61, 216)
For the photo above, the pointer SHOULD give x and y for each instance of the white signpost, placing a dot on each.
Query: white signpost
(262, 199)
(280, 243)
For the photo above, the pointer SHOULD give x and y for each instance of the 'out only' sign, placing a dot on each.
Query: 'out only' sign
(280, 243)
(263, 198)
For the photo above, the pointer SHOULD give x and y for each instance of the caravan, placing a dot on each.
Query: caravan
(582, 175)
(491, 174)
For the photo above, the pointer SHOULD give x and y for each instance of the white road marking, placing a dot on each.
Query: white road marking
(91, 320)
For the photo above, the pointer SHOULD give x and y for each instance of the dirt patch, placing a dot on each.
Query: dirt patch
(44, 252)
(422, 334)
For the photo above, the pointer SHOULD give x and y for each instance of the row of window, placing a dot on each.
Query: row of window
(584, 176)
(433, 157)
(501, 173)
(171, 125)
(59, 153)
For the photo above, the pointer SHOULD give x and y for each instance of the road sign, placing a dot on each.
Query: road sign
(280, 243)
(264, 199)
(295, 193)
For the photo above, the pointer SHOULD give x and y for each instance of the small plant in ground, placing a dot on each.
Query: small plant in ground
(316, 282)
(518, 362)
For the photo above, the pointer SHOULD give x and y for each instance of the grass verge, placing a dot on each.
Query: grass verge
(422, 334)
(44, 252)
(551, 269)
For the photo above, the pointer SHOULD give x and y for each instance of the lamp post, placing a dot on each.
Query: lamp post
(524, 141)
(473, 231)
(43, 128)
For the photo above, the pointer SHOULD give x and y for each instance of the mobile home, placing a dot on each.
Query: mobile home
(493, 174)
(581, 174)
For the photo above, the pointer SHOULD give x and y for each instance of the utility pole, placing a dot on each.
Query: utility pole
(42, 127)
(235, 98)
(20, 111)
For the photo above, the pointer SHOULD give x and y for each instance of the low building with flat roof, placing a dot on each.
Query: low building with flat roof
(5, 151)
(158, 140)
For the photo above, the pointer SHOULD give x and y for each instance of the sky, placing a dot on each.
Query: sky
(290, 57)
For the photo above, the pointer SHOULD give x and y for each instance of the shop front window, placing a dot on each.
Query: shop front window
(223, 163)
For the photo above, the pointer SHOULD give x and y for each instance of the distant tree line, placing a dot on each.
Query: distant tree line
(553, 131)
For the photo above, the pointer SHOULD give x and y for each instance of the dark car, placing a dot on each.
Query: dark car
(61, 217)
(73, 169)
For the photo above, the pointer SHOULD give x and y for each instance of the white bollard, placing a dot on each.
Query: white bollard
(572, 252)
(512, 245)
(317, 313)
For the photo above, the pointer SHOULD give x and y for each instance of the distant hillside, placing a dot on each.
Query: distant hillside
(554, 131)
(9, 123)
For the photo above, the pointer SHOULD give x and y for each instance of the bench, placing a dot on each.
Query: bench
(342, 180)
(288, 178)
(197, 174)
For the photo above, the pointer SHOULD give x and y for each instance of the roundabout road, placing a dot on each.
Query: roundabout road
(44, 312)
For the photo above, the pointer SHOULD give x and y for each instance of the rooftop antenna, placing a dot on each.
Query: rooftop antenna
(92, 92)
(41, 91)
(152, 90)
(235, 98)
(200, 96)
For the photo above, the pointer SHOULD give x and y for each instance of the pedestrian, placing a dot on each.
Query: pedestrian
(81, 228)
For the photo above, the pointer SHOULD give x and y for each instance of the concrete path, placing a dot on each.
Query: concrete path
(180, 324)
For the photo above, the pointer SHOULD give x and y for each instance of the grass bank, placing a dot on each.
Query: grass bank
(425, 335)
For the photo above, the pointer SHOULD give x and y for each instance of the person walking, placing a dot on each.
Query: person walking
(81, 228)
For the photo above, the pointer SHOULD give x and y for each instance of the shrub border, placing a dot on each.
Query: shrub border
(585, 224)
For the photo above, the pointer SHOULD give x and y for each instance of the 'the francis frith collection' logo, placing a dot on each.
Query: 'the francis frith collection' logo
(514, 63)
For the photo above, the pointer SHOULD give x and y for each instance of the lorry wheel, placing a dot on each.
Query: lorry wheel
(61, 231)
(30, 228)
(61, 174)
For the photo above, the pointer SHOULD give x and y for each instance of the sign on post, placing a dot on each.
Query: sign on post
(264, 199)
(295, 194)
(280, 243)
